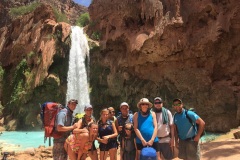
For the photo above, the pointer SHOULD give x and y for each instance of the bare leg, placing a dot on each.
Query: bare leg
(72, 155)
(112, 153)
(84, 156)
(138, 153)
(80, 153)
(103, 155)
(93, 154)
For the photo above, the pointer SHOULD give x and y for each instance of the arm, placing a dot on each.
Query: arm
(172, 130)
(115, 133)
(150, 142)
(138, 133)
(135, 144)
(201, 124)
(175, 134)
(61, 128)
(119, 129)
(78, 130)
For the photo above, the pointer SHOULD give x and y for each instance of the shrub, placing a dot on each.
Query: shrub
(60, 17)
(18, 11)
(96, 35)
(83, 20)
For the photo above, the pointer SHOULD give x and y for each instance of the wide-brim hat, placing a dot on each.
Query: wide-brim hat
(145, 101)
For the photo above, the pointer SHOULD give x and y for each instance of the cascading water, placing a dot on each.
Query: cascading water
(77, 86)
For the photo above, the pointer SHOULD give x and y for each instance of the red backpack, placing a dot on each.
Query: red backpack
(49, 111)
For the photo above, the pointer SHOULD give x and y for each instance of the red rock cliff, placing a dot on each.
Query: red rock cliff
(186, 49)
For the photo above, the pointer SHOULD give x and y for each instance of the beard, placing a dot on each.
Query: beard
(157, 110)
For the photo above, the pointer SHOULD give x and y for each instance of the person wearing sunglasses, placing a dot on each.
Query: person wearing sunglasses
(165, 132)
(111, 115)
(145, 126)
(186, 136)
(129, 143)
(122, 119)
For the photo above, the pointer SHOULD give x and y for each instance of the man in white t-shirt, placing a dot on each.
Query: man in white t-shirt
(165, 131)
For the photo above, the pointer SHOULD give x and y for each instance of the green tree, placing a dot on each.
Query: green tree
(83, 20)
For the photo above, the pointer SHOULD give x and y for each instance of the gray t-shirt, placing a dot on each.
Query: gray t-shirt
(64, 118)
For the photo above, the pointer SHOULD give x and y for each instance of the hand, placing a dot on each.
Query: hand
(120, 128)
(104, 141)
(150, 143)
(105, 137)
(196, 138)
(144, 143)
(171, 142)
(75, 125)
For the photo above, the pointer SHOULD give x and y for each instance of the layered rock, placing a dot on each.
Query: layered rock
(186, 49)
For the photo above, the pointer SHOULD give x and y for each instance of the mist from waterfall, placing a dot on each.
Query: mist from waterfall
(77, 86)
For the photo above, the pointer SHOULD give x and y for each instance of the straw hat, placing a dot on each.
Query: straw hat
(145, 101)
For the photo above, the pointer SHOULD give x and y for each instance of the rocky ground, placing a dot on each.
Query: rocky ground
(225, 147)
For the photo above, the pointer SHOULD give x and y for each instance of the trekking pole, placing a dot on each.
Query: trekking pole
(49, 141)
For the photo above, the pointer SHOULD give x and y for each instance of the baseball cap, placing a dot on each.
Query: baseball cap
(73, 101)
(87, 106)
(177, 99)
(158, 98)
(124, 104)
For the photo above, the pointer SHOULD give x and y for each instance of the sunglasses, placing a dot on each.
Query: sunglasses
(129, 129)
(177, 104)
(111, 111)
(157, 102)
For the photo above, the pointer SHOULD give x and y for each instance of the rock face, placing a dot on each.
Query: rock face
(34, 57)
(185, 49)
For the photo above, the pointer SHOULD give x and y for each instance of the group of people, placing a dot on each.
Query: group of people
(152, 126)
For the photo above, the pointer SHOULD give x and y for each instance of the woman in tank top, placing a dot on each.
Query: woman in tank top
(107, 136)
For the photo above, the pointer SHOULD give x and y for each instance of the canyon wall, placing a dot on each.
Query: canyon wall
(169, 48)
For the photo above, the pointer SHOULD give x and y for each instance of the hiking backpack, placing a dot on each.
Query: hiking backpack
(192, 123)
(148, 153)
(195, 125)
(49, 111)
(129, 119)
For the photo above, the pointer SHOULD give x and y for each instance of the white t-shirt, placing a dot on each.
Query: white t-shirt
(163, 130)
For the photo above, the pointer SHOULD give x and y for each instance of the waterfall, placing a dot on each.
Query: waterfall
(77, 86)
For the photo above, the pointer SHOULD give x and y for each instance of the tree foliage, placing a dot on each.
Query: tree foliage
(83, 20)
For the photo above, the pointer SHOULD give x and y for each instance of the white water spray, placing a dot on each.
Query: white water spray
(77, 86)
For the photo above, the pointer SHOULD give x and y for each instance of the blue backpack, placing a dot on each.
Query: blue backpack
(148, 153)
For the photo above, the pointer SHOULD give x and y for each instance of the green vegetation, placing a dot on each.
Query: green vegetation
(83, 20)
(60, 17)
(1, 74)
(18, 11)
(96, 35)
(19, 81)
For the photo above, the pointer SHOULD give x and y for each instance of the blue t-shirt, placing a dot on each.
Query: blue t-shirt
(184, 127)
(145, 126)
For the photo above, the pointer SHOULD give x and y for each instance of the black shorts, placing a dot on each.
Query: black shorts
(111, 144)
(155, 146)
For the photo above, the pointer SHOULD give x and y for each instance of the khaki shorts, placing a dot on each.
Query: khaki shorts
(189, 149)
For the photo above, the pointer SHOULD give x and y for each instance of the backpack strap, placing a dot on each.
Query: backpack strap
(190, 120)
